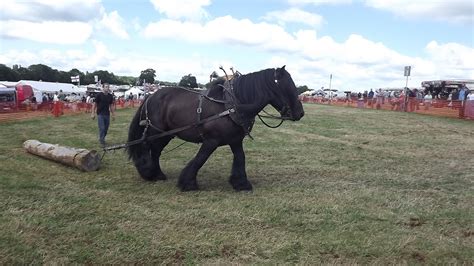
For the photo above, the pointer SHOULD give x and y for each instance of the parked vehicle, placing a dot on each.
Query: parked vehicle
(23, 92)
(7, 99)
(12, 98)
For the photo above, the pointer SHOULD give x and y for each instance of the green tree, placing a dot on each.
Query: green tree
(103, 75)
(147, 75)
(43, 72)
(8, 74)
(72, 73)
(126, 80)
(188, 81)
(23, 73)
(302, 89)
(167, 83)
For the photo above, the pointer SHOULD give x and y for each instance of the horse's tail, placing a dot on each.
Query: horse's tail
(135, 132)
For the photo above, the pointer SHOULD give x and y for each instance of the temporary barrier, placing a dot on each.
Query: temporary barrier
(446, 108)
(53, 109)
(438, 107)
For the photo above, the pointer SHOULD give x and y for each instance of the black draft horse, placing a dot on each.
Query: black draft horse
(174, 107)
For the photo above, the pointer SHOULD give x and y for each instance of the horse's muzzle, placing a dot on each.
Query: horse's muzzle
(299, 116)
(288, 114)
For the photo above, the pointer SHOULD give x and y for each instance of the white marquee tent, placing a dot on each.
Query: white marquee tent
(40, 87)
(52, 87)
(135, 92)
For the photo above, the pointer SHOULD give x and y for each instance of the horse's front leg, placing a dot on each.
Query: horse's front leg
(238, 177)
(187, 179)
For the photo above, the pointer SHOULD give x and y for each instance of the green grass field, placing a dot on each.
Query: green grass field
(340, 186)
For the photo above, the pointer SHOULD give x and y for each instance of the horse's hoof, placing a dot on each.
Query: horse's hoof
(161, 177)
(149, 178)
(238, 185)
(248, 187)
(188, 187)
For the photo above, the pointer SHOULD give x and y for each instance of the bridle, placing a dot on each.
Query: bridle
(284, 110)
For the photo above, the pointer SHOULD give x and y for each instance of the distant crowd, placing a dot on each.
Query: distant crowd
(414, 97)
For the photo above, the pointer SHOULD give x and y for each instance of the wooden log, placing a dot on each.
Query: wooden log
(82, 159)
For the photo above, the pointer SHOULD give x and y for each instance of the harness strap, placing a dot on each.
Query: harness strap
(144, 138)
(203, 94)
(199, 111)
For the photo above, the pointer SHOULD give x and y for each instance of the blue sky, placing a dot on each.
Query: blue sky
(364, 44)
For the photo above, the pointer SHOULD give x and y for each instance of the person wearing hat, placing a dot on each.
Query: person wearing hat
(103, 107)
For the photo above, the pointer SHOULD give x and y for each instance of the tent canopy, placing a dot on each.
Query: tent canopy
(135, 92)
(52, 87)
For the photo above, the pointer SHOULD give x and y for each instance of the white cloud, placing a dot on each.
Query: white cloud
(59, 10)
(295, 15)
(224, 30)
(319, 2)
(187, 9)
(101, 58)
(58, 22)
(357, 62)
(452, 11)
(452, 58)
(58, 32)
(114, 23)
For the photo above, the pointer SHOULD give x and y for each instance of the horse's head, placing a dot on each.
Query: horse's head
(286, 97)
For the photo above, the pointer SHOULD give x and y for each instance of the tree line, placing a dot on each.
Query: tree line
(45, 73)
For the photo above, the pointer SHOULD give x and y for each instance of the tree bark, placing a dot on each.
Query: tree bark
(82, 159)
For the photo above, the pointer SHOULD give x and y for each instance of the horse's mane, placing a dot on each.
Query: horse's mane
(253, 90)
(249, 88)
(255, 87)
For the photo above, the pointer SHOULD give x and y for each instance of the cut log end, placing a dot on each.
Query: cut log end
(82, 159)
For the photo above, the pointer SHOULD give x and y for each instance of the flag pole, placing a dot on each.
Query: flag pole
(330, 91)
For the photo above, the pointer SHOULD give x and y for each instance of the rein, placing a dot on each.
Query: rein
(144, 138)
(268, 115)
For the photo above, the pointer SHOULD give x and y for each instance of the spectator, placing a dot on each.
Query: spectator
(379, 99)
(104, 107)
(462, 95)
(370, 96)
(61, 96)
(411, 99)
(401, 100)
(462, 92)
(55, 97)
(419, 99)
(427, 100)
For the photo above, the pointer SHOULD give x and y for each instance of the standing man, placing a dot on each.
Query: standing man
(103, 106)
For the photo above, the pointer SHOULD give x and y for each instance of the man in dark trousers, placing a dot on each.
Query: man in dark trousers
(103, 106)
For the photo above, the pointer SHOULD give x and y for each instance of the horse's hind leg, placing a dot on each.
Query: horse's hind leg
(187, 179)
(156, 149)
(238, 177)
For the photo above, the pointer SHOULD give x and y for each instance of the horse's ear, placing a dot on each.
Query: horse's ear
(279, 72)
